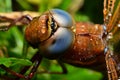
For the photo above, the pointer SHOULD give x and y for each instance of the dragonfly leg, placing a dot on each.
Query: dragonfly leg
(111, 67)
(9, 22)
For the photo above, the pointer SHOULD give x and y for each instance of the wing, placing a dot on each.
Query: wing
(111, 13)
(112, 22)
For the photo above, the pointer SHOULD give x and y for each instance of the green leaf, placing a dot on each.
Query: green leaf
(22, 62)
(14, 62)
(5, 61)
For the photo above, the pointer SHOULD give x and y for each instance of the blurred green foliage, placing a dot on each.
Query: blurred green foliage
(12, 41)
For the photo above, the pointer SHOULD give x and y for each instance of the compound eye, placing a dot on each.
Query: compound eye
(62, 18)
(59, 18)
(58, 43)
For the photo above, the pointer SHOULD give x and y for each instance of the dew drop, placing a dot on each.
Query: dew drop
(110, 36)
(43, 30)
(91, 39)
(109, 14)
(78, 42)
(118, 25)
(96, 27)
(74, 47)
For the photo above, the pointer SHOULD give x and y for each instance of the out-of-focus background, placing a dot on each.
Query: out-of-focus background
(11, 41)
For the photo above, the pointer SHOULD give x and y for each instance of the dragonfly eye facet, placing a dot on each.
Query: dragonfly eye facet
(62, 18)
(60, 42)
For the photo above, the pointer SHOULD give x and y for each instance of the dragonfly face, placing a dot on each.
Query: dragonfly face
(52, 33)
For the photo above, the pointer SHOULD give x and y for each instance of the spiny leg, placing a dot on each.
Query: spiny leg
(11, 71)
(23, 20)
(111, 67)
(111, 20)
(111, 15)
(37, 58)
(108, 10)
(115, 22)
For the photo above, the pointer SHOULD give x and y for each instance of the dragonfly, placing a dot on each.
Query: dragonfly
(57, 36)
